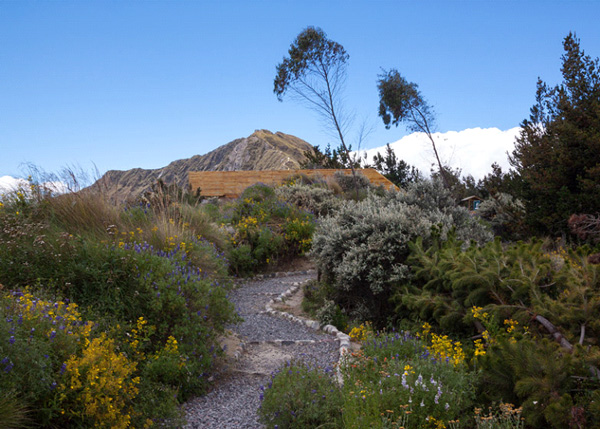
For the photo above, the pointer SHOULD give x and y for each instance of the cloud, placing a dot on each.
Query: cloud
(472, 150)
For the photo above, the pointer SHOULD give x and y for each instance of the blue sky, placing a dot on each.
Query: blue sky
(121, 84)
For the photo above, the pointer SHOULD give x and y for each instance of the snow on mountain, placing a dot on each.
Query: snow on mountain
(472, 150)
(9, 183)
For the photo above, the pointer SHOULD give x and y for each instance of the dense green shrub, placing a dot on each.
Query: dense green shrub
(362, 249)
(265, 230)
(518, 297)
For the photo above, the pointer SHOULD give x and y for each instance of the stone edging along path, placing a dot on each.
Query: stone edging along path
(344, 339)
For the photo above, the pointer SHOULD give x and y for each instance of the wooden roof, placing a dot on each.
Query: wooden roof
(231, 184)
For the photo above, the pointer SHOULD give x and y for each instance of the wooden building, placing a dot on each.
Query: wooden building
(231, 184)
(471, 203)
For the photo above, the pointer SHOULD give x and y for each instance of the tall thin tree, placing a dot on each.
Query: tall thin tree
(401, 101)
(314, 72)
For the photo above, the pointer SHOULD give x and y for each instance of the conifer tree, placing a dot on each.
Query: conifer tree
(558, 151)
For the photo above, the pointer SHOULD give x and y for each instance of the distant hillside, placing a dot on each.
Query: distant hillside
(262, 150)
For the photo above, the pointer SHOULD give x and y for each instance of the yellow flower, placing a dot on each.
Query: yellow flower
(479, 347)
(426, 328)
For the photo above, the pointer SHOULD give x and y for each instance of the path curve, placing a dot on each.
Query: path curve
(268, 342)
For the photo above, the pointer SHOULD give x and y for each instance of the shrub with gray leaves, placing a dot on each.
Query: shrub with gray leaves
(320, 201)
(361, 250)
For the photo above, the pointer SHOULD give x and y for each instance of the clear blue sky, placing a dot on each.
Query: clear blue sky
(140, 84)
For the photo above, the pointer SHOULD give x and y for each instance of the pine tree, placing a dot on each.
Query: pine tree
(558, 151)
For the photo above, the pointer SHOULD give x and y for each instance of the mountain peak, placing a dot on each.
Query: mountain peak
(262, 150)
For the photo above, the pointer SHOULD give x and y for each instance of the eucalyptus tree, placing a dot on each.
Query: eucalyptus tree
(400, 101)
(314, 72)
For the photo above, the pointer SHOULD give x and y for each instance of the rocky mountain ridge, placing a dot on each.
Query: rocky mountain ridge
(262, 150)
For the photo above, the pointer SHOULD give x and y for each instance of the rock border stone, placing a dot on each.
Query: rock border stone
(273, 275)
(344, 339)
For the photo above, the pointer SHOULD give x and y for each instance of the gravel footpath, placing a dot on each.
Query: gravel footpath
(269, 342)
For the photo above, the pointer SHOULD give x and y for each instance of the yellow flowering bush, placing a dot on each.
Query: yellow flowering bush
(445, 349)
(264, 230)
(100, 386)
(362, 332)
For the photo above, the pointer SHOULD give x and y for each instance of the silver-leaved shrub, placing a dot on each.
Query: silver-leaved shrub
(319, 200)
(361, 250)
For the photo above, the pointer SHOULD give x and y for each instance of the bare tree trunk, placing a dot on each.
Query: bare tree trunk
(341, 135)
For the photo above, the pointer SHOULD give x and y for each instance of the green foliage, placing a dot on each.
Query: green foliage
(525, 286)
(156, 311)
(361, 251)
(393, 379)
(556, 154)
(506, 215)
(266, 229)
(241, 261)
(539, 376)
(400, 101)
(310, 51)
(450, 280)
(314, 73)
(336, 158)
(301, 396)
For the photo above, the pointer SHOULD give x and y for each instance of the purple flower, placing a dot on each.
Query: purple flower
(438, 395)
(63, 368)
(11, 339)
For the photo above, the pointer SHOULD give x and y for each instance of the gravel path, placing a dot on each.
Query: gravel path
(269, 342)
